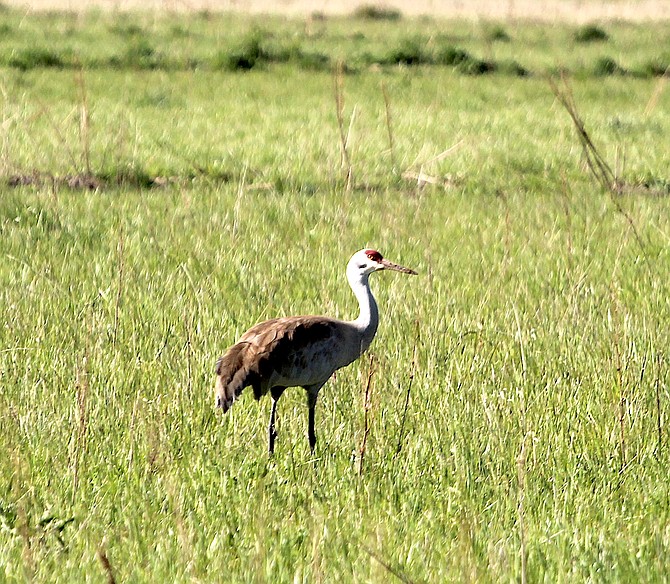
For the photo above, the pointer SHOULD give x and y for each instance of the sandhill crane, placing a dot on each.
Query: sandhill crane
(302, 350)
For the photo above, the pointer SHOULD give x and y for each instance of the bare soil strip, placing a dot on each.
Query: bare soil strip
(575, 11)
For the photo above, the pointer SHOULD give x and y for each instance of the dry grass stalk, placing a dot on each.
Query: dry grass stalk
(416, 172)
(622, 414)
(399, 574)
(119, 291)
(598, 166)
(84, 121)
(389, 128)
(106, 565)
(131, 431)
(318, 532)
(442, 155)
(345, 159)
(656, 94)
(6, 124)
(44, 111)
(659, 418)
(348, 139)
(565, 191)
(521, 475)
(82, 390)
(17, 489)
(401, 433)
(423, 179)
(519, 333)
(619, 163)
(238, 200)
(24, 531)
(189, 356)
(619, 367)
(508, 223)
(183, 533)
(366, 414)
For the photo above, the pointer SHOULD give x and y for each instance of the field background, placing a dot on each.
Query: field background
(167, 180)
(579, 11)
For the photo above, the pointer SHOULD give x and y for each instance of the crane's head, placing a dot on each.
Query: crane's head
(366, 261)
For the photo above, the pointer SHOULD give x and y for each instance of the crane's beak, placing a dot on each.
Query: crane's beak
(396, 268)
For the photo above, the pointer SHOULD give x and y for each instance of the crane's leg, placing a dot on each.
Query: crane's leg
(311, 402)
(275, 392)
(312, 394)
(272, 433)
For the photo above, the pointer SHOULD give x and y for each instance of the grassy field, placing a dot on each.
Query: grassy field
(156, 201)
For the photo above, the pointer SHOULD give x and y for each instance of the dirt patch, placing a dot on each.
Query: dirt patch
(575, 11)
(85, 181)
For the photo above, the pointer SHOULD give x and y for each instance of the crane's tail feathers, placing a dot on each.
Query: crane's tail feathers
(233, 374)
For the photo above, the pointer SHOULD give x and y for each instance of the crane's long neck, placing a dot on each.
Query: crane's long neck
(368, 318)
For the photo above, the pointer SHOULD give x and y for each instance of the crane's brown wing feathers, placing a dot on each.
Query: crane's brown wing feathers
(274, 348)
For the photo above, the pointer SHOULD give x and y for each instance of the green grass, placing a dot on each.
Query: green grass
(99, 40)
(535, 335)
